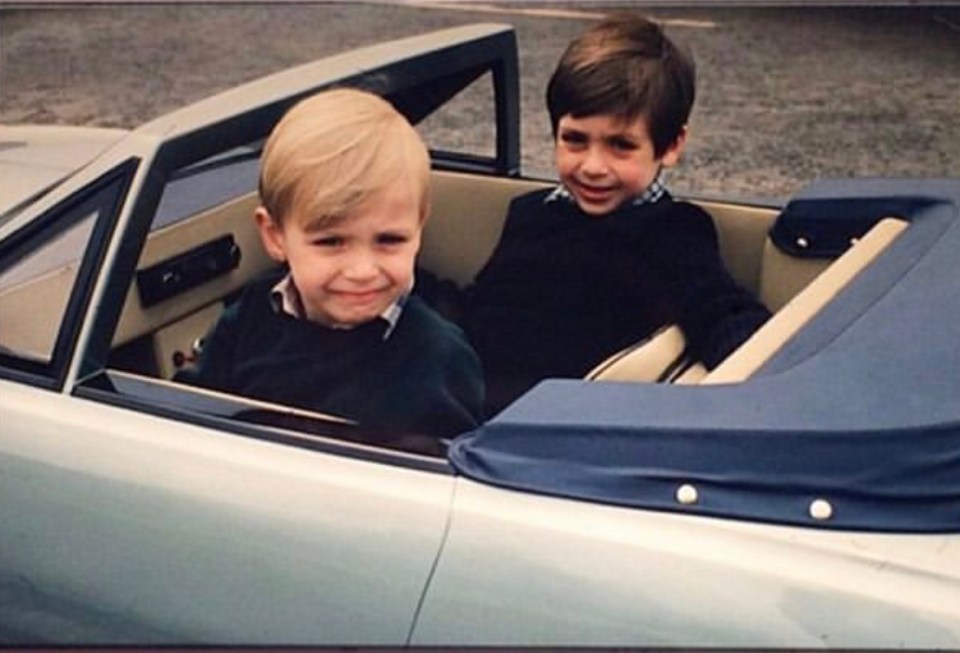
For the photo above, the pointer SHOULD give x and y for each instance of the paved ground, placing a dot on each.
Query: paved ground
(786, 94)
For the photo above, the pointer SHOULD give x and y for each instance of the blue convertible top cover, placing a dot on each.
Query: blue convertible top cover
(854, 424)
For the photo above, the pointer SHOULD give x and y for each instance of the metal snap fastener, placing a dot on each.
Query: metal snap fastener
(821, 510)
(687, 494)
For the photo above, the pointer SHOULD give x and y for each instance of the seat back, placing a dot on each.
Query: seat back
(742, 232)
(467, 216)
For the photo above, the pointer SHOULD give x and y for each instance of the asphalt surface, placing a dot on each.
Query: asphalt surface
(785, 94)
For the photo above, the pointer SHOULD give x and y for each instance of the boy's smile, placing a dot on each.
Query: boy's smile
(351, 271)
(605, 160)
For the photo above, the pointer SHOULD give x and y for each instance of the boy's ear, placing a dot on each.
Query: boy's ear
(425, 208)
(672, 156)
(271, 234)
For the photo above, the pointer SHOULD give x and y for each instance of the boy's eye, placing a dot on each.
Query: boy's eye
(622, 144)
(391, 239)
(573, 138)
(328, 241)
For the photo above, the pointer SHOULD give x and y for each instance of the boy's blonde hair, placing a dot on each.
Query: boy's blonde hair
(333, 150)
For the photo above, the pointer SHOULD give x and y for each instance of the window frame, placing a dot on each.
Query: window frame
(101, 201)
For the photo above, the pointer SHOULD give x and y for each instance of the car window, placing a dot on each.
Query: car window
(48, 272)
(466, 123)
(58, 254)
(464, 127)
(208, 183)
(41, 271)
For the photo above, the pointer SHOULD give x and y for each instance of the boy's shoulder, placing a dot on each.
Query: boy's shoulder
(427, 330)
(666, 220)
(680, 220)
(259, 287)
(693, 214)
(539, 197)
(254, 297)
(535, 212)
(255, 312)
(682, 208)
(426, 323)
(265, 281)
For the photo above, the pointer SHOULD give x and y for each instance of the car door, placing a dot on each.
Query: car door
(137, 510)
(123, 527)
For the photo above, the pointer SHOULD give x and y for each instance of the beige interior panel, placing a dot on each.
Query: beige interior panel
(181, 336)
(784, 276)
(234, 217)
(29, 326)
(467, 216)
(468, 212)
(651, 361)
(692, 375)
(742, 231)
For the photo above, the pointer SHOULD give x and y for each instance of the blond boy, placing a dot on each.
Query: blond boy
(343, 188)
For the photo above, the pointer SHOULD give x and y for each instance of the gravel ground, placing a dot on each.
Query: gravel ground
(785, 94)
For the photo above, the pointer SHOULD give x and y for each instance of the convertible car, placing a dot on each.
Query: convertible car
(805, 493)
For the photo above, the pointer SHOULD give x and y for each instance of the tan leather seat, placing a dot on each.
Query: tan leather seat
(654, 359)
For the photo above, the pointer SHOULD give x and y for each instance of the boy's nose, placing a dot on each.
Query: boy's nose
(361, 265)
(594, 162)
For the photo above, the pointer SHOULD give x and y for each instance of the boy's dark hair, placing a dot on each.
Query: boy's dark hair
(625, 66)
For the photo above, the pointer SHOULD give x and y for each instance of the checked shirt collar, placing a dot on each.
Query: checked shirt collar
(653, 193)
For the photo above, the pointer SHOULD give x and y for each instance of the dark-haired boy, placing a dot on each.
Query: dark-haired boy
(603, 260)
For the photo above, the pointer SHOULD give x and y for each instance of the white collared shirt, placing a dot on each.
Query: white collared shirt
(285, 298)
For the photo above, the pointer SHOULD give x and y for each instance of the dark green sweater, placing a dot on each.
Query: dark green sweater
(564, 290)
(424, 378)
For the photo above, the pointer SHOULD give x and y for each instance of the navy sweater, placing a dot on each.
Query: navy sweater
(424, 378)
(564, 290)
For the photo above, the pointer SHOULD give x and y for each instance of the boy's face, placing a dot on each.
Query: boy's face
(604, 160)
(348, 273)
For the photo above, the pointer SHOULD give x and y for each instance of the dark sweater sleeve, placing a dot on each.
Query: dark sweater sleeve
(716, 314)
(438, 374)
